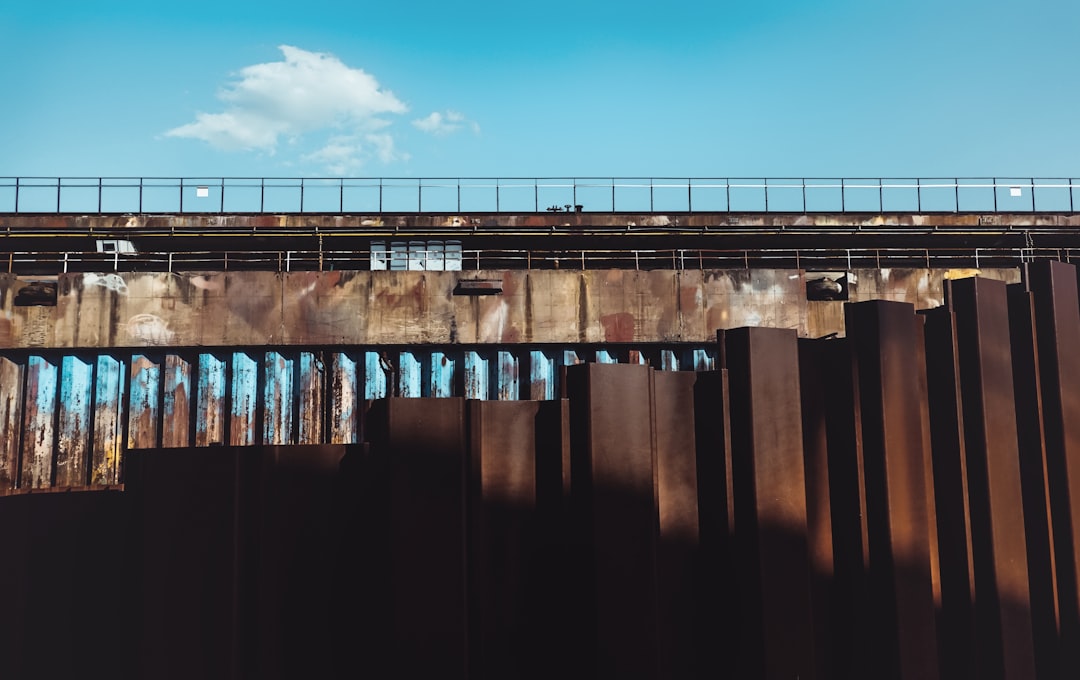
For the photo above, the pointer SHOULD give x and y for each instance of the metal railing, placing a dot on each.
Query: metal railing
(241, 195)
(832, 259)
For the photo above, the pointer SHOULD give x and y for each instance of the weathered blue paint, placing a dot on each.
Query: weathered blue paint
(210, 405)
(604, 356)
(376, 368)
(108, 420)
(476, 376)
(310, 398)
(11, 401)
(570, 357)
(176, 403)
(143, 402)
(541, 375)
(698, 359)
(343, 382)
(508, 376)
(245, 396)
(73, 449)
(669, 361)
(442, 374)
(410, 375)
(277, 399)
(39, 438)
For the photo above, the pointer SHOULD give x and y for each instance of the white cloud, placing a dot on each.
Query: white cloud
(307, 92)
(344, 154)
(436, 123)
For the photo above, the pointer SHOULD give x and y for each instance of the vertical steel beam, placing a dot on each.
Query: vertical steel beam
(73, 446)
(508, 371)
(956, 630)
(772, 561)
(476, 376)
(423, 444)
(884, 342)
(39, 423)
(679, 546)
(1002, 600)
(277, 399)
(177, 406)
(503, 540)
(210, 407)
(813, 404)
(1034, 476)
(108, 420)
(143, 404)
(310, 389)
(11, 406)
(243, 400)
(1057, 323)
(443, 367)
(344, 426)
(612, 475)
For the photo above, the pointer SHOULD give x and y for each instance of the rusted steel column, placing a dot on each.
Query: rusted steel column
(144, 402)
(507, 589)
(1042, 574)
(176, 406)
(73, 445)
(11, 405)
(772, 561)
(956, 615)
(612, 475)
(108, 420)
(815, 397)
(39, 423)
(1057, 322)
(718, 589)
(884, 341)
(1002, 601)
(424, 447)
(677, 502)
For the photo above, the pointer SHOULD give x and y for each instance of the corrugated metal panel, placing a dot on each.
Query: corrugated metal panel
(76, 390)
(143, 404)
(509, 387)
(11, 401)
(669, 361)
(376, 368)
(605, 356)
(176, 406)
(39, 441)
(245, 397)
(108, 420)
(343, 381)
(310, 392)
(277, 399)
(210, 406)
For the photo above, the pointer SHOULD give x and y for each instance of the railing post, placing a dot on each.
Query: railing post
(880, 195)
(99, 195)
(843, 202)
(918, 195)
(727, 193)
(689, 196)
(58, 195)
(956, 193)
(380, 195)
(301, 194)
(222, 197)
(262, 194)
(181, 195)
(573, 184)
(765, 182)
(341, 195)
(459, 194)
(536, 195)
(140, 195)
(1032, 194)
(612, 194)
(651, 209)
(497, 208)
(993, 187)
(803, 195)
(420, 195)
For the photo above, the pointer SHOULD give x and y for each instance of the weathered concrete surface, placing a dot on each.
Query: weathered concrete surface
(362, 307)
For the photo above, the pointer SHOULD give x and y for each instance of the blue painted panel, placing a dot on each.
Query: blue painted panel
(571, 357)
(310, 392)
(277, 399)
(176, 404)
(508, 380)
(410, 375)
(541, 376)
(73, 450)
(343, 382)
(108, 420)
(636, 356)
(476, 376)
(143, 402)
(698, 360)
(604, 356)
(245, 395)
(442, 374)
(210, 416)
(39, 436)
(668, 360)
(376, 369)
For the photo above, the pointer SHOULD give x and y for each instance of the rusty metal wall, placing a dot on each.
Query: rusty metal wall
(226, 309)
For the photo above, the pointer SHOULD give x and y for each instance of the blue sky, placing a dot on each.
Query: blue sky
(495, 89)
